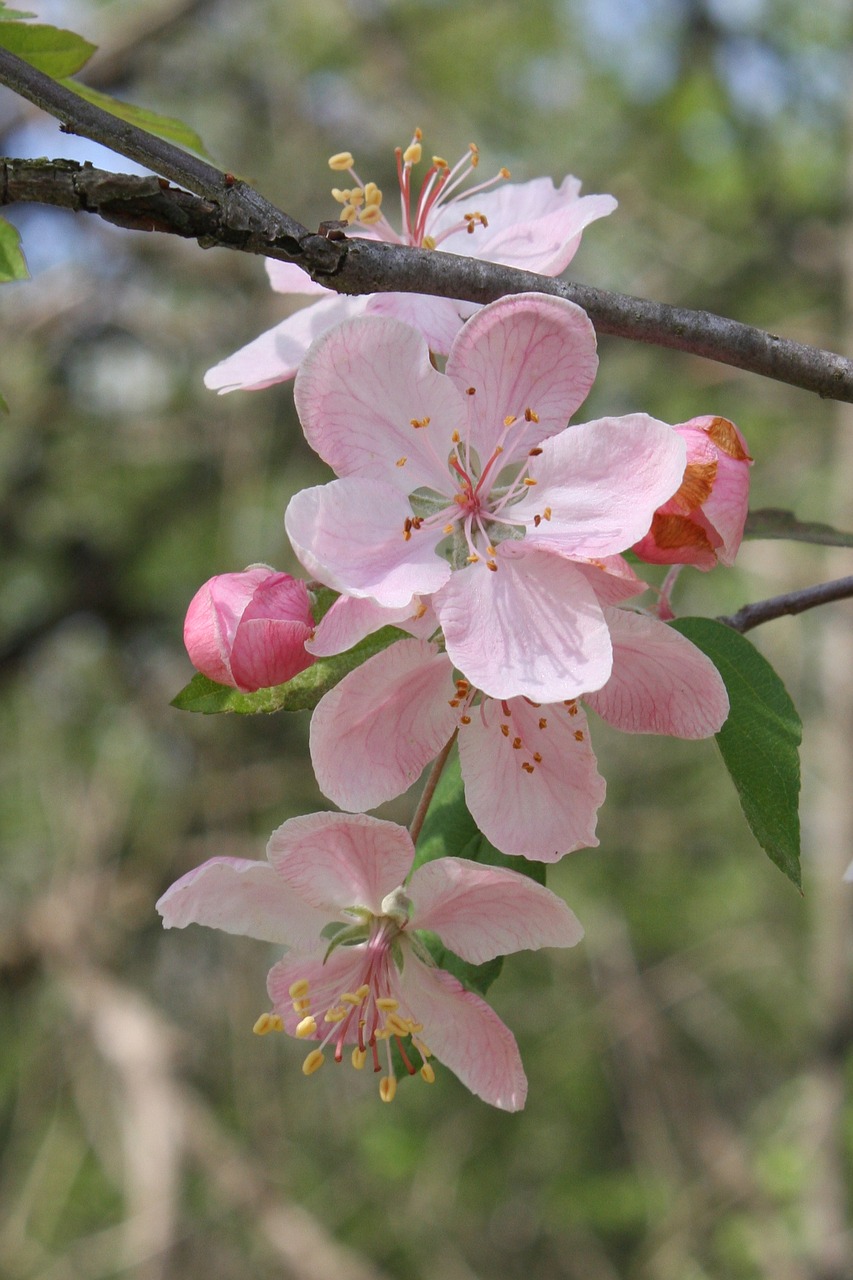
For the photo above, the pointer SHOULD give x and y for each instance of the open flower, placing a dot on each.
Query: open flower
(532, 225)
(702, 523)
(334, 890)
(530, 775)
(248, 629)
(468, 487)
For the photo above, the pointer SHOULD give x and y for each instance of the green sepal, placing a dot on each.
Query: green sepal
(302, 693)
(56, 52)
(774, 522)
(349, 936)
(13, 264)
(166, 127)
(759, 741)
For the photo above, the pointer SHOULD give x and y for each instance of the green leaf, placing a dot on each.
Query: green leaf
(56, 52)
(474, 977)
(302, 693)
(13, 264)
(759, 741)
(163, 126)
(773, 522)
(12, 15)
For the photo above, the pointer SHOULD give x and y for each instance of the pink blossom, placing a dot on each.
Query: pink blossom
(335, 891)
(476, 462)
(702, 523)
(532, 225)
(249, 629)
(530, 775)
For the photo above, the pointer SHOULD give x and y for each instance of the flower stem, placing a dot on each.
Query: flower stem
(429, 790)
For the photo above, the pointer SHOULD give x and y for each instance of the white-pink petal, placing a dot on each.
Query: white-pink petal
(464, 1034)
(333, 861)
(661, 683)
(375, 731)
(243, 897)
(523, 353)
(533, 628)
(480, 911)
(327, 979)
(349, 620)
(438, 320)
(531, 780)
(358, 393)
(286, 277)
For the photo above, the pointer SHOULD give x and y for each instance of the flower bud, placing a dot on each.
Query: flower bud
(249, 629)
(702, 523)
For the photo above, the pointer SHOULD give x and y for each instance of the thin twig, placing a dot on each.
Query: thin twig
(244, 219)
(429, 790)
(792, 602)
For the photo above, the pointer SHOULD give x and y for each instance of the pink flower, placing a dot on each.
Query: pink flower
(249, 629)
(532, 225)
(477, 462)
(702, 523)
(357, 972)
(530, 775)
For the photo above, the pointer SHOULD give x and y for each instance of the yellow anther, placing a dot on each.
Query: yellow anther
(516, 744)
(415, 1027)
(417, 423)
(276, 1023)
(448, 528)
(335, 1015)
(427, 1073)
(305, 1028)
(302, 1006)
(440, 162)
(363, 991)
(397, 1025)
(510, 419)
(370, 215)
(547, 513)
(372, 194)
(530, 482)
(356, 196)
(383, 1034)
(401, 462)
(350, 997)
(504, 172)
(313, 1062)
(464, 719)
(527, 767)
(263, 1024)
(412, 154)
(388, 1003)
(428, 242)
(359, 1057)
(505, 730)
(387, 1088)
(298, 989)
(456, 437)
(473, 558)
(490, 549)
(341, 196)
(475, 153)
(342, 160)
(579, 735)
(530, 415)
(348, 214)
(419, 133)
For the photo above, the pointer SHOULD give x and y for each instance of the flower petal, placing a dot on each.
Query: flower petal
(213, 617)
(374, 732)
(350, 534)
(437, 319)
(327, 979)
(523, 353)
(533, 629)
(241, 896)
(338, 860)
(481, 912)
(359, 392)
(535, 790)
(661, 683)
(612, 579)
(349, 620)
(465, 1034)
(599, 483)
(277, 354)
(286, 277)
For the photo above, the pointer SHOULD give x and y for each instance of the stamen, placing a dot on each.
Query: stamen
(543, 723)
(579, 735)
(307, 1027)
(527, 767)
(342, 160)
(359, 1057)
(387, 1088)
(412, 154)
(531, 416)
(401, 462)
(388, 1003)
(427, 1073)
(263, 1024)
(298, 989)
(420, 422)
(313, 1062)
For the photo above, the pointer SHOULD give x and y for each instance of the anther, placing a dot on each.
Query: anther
(420, 422)
(516, 744)
(359, 1057)
(543, 723)
(527, 767)
(397, 1025)
(530, 482)
(263, 1024)
(313, 1062)
(464, 719)
(579, 735)
(401, 462)
(298, 989)
(428, 242)
(387, 1088)
(372, 194)
(341, 160)
(335, 1014)
(440, 162)
(427, 1073)
(504, 172)
(388, 1003)
(530, 415)
(471, 391)
(276, 1023)
(412, 154)
(510, 419)
(350, 997)
(371, 214)
(537, 757)
(490, 564)
(305, 1028)
(302, 1006)
(505, 730)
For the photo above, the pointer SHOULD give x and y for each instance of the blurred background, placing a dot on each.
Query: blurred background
(687, 1062)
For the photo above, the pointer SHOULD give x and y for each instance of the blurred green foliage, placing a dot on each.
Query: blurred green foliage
(688, 1061)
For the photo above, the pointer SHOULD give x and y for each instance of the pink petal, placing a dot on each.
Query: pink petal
(375, 731)
(338, 860)
(612, 579)
(327, 980)
(480, 912)
(240, 896)
(437, 319)
(349, 620)
(277, 354)
(286, 277)
(726, 508)
(465, 1034)
(213, 617)
(350, 535)
(527, 352)
(602, 482)
(532, 629)
(268, 652)
(547, 808)
(661, 683)
(358, 394)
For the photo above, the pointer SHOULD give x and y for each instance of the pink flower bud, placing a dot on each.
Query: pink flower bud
(702, 523)
(249, 629)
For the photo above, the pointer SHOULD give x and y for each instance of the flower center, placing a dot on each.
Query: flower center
(369, 1014)
(529, 742)
(439, 189)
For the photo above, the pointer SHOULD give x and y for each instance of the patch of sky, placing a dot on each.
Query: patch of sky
(756, 76)
(553, 82)
(634, 38)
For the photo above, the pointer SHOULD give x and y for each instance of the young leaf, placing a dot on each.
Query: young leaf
(13, 264)
(56, 52)
(12, 15)
(302, 693)
(759, 741)
(773, 522)
(163, 126)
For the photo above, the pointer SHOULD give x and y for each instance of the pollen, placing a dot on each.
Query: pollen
(313, 1062)
(428, 242)
(387, 1088)
(342, 160)
(307, 1027)
(427, 1073)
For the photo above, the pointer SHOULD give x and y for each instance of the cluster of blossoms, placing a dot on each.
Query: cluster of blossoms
(466, 512)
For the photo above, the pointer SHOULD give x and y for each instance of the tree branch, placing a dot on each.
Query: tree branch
(793, 602)
(234, 215)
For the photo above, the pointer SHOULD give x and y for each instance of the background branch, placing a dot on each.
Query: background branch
(239, 217)
(792, 602)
